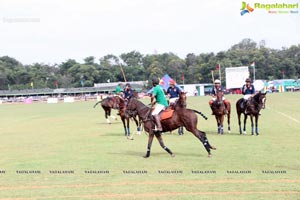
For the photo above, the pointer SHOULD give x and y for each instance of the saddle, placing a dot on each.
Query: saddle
(166, 114)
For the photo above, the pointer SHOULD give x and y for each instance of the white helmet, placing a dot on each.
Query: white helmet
(217, 81)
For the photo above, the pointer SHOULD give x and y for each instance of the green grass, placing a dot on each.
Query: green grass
(76, 137)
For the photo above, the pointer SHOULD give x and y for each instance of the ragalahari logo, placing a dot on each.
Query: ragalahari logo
(246, 8)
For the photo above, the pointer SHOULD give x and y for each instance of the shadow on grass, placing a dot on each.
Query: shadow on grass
(112, 123)
(160, 154)
(209, 133)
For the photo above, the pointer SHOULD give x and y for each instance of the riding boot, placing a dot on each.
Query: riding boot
(158, 124)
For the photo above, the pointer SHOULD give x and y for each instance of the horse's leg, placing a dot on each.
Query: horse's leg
(123, 121)
(161, 142)
(128, 128)
(114, 117)
(239, 120)
(221, 124)
(137, 125)
(107, 113)
(252, 125)
(228, 118)
(245, 120)
(150, 139)
(180, 130)
(256, 124)
(202, 136)
(218, 123)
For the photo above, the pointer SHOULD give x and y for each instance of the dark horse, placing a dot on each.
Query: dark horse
(255, 104)
(118, 103)
(219, 111)
(181, 117)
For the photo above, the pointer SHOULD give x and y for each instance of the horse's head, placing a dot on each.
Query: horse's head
(260, 99)
(131, 107)
(182, 100)
(219, 98)
(116, 102)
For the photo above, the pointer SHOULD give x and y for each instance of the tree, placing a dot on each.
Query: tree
(133, 58)
(89, 60)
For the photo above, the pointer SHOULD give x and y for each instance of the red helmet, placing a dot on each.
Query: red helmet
(172, 82)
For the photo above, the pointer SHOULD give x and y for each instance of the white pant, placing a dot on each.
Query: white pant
(223, 98)
(247, 96)
(173, 100)
(157, 109)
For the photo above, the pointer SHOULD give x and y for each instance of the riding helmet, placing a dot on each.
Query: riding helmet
(248, 80)
(217, 81)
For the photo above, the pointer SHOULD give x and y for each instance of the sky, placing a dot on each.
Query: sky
(52, 31)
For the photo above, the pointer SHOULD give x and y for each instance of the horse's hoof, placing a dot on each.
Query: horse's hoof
(245, 132)
(145, 156)
(229, 131)
(209, 155)
(138, 133)
(172, 155)
(213, 148)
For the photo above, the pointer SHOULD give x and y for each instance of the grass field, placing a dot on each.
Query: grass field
(75, 137)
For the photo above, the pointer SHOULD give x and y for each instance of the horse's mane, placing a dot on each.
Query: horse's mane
(138, 102)
(256, 96)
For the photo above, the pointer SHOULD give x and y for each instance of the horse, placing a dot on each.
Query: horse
(124, 116)
(255, 104)
(117, 102)
(181, 117)
(219, 111)
(108, 104)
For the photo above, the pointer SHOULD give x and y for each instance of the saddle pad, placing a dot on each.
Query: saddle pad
(166, 114)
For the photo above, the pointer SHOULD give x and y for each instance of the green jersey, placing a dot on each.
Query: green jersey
(118, 89)
(160, 95)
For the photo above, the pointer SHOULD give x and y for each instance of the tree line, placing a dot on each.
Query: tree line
(269, 64)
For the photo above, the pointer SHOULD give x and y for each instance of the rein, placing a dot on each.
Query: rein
(141, 108)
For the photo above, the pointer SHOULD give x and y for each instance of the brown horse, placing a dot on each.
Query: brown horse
(124, 116)
(117, 102)
(181, 117)
(255, 104)
(219, 108)
(107, 104)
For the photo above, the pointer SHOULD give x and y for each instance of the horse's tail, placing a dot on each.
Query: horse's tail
(97, 103)
(200, 113)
